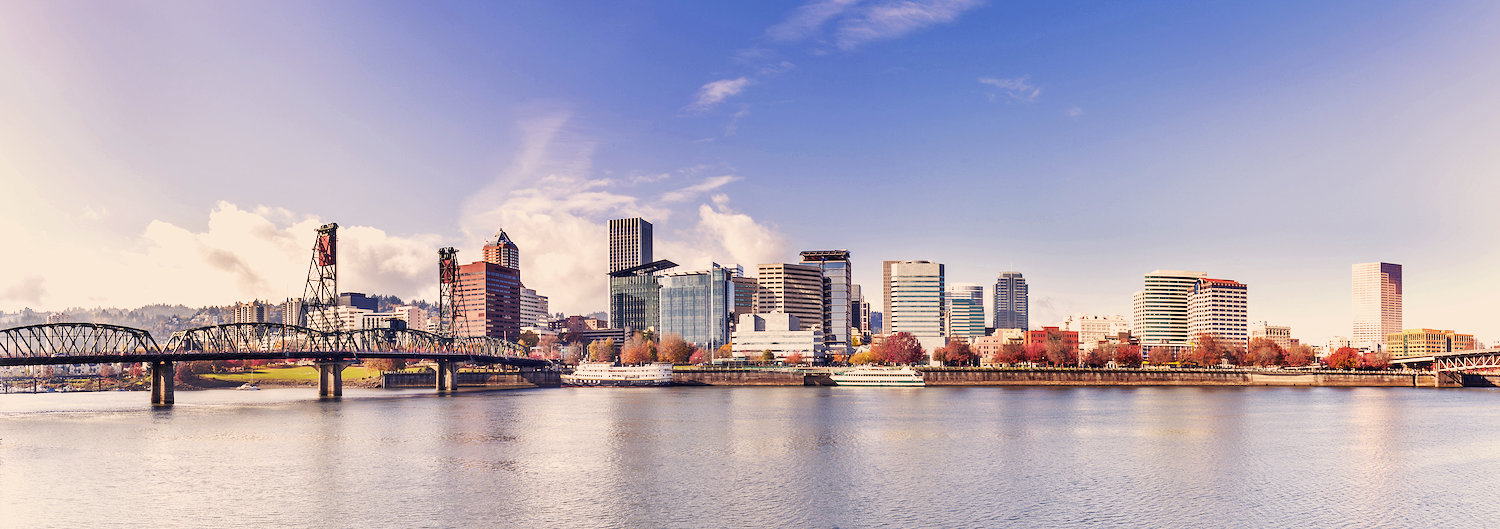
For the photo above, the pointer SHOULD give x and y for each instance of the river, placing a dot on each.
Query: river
(756, 457)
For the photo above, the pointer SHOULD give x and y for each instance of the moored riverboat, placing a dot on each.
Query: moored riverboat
(610, 375)
(903, 376)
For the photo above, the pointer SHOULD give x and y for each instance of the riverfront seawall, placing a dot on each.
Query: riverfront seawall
(476, 379)
(1168, 377)
(739, 377)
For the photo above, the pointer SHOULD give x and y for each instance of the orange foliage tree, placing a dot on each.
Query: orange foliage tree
(1264, 352)
(1343, 358)
(793, 359)
(1009, 354)
(638, 350)
(1375, 360)
(1300, 355)
(903, 348)
(1127, 355)
(956, 353)
(1162, 355)
(673, 349)
(1207, 351)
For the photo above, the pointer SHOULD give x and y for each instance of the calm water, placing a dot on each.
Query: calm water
(761, 457)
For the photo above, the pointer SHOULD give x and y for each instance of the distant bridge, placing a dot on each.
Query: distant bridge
(96, 343)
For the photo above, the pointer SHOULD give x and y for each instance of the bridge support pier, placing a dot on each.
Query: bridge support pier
(163, 376)
(1448, 379)
(447, 376)
(331, 378)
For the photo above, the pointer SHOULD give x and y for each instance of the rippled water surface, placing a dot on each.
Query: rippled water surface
(756, 457)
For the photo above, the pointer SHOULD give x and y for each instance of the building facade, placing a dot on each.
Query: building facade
(1219, 308)
(1279, 334)
(502, 251)
(633, 287)
(698, 306)
(630, 242)
(914, 300)
(839, 311)
(487, 301)
(1377, 303)
(1161, 309)
(965, 307)
(1069, 339)
(781, 334)
(251, 312)
(1092, 328)
(744, 294)
(1012, 302)
(1425, 342)
(533, 309)
(793, 289)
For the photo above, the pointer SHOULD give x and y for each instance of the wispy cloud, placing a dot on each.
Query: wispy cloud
(687, 193)
(711, 94)
(889, 20)
(805, 21)
(1017, 89)
(1073, 112)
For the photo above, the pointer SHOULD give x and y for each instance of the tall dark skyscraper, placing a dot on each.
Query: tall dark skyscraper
(1011, 306)
(839, 310)
(634, 291)
(629, 243)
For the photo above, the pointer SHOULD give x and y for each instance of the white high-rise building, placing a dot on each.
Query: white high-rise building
(1219, 307)
(965, 304)
(1161, 309)
(533, 309)
(1092, 328)
(1377, 303)
(914, 300)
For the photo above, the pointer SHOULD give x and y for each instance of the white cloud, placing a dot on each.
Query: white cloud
(687, 193)
(1017, 89)
(889, 20)
(713, 93)
(241, 255)
(808, 19)
(1074, 112)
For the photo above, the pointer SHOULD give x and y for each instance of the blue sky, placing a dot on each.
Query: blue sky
(192, 145)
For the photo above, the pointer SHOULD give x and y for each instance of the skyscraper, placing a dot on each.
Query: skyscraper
(1219, 307)
(633, 288)
(501, 251)
(914, 300)
(629, 243)
(793, 289)
(698, 305)
(487, 301)
(965, 305)
(839, 312)
(1161, 309)
(1377, 303)
(1012, 306)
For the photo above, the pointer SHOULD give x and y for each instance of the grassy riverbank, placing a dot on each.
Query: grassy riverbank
(293, 375)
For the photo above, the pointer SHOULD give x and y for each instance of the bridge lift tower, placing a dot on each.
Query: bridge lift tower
(450, 297)
(322, 292)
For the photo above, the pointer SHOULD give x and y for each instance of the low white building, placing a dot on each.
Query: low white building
(1280, 334)
(775, 332)
(1092, 328)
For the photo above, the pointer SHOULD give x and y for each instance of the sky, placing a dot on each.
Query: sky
(183, 152)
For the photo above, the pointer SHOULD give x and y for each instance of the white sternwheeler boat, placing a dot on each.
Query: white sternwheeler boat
(607, 374)
(904, 377)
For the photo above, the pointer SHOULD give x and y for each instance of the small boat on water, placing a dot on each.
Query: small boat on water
(608, 374)
(248, 386)
(903, 376)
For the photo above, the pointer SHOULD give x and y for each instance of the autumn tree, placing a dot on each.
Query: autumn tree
(1035, 352)
(385, 364)
(794, 358)
(1127, 355)
(861, 358)
(903, 348)
(528, 339)
(1207, 351)
(1162, 355)
(1057, 351)
(1099, 356)
(674, 349)
(638, 350)
(1375, 360)
(574, 352)
(1343, 358)
(602, 350)
(958, 353)
(1300, 355)
(878, 354)
(699, 356)
(548, 347)
(724, 351)
(1009, 354)
(1264, 352)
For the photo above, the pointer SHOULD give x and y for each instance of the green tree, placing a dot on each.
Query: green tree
(767, 356)
(528, 338)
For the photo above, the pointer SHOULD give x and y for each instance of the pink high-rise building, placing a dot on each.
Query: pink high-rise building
(1377, 303)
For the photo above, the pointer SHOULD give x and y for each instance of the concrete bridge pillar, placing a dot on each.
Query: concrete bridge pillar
(331, 378)
(447, 376)
(163, 376)
(1448, 379)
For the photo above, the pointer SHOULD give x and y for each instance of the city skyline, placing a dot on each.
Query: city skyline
(199, 187)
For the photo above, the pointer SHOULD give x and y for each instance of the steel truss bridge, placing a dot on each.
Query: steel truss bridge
(1456, 361)
(96, 343)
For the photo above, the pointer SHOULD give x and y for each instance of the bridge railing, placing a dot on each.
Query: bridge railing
(74, 339)
(93, 339)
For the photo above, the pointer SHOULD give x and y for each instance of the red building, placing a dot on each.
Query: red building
(487, 301)
(1069, 338)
